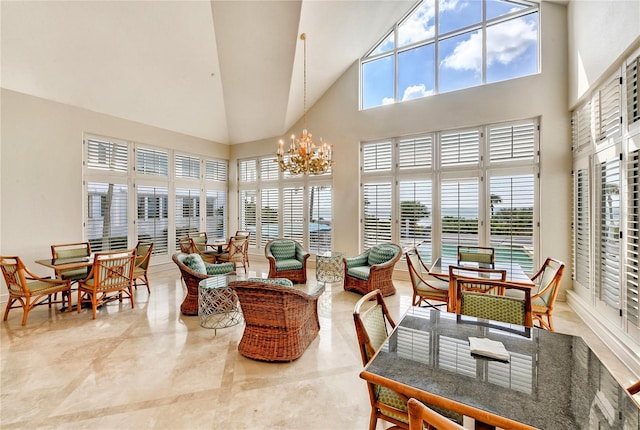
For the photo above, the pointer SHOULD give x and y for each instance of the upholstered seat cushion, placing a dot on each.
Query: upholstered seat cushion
(284, 282)
(360, 272)
(442, 286)
(288, 264)
(195, 263)
(219, 269)
(284, 250)
(74, 274)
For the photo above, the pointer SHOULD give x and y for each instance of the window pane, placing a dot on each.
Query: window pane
(377, 82)
(512, 200)
(608, 275)
(512, 48)
(511, 142)
(293, 214)
(105, 155)
(456, 14)
(187, 212)
(268, 216)
(247, 170)
(417, 152)
(416, 72)
(107, 226)
(269, 169)
(216, 213)
(153, 217)
(384, 46)
(216, 170)
(496, 8)
(320, 219)
(377, 214)
(248, 213)
(415, 215)
(461, 62)
(460, 148)
(418, 26)
(459, 207)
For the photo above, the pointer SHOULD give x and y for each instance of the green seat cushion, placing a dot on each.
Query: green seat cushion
(283, 249)
(288, 264)
(381, 254)
(360, 272)
(195, 263)
(284, 282)
(219, 269)
(75, 274)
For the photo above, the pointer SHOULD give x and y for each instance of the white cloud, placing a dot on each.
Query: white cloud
(415, 92)
(417, 27)
(387, 100)
(505, 43)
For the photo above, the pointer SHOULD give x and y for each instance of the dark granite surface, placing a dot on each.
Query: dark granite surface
(553, 380)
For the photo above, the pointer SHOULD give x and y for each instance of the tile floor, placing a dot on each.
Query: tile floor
(151, 367)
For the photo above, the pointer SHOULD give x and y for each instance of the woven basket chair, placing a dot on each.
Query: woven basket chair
(371, 270)
(30, 290)
(280, 321)
(191, 279)
(287, 259)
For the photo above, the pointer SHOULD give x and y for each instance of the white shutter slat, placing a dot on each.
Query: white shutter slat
(609, 227)
(247, 170)
(633, 239)
(107, 223)
(187, 212)
(460, 148)
(582, 270)
(248, 213)
(377, 214)
(376, 157)
(216, 219)
(153, 217)
(152, 162)
(320, 198)
(109, 156)
(415, 215)
(415, 153)
(633, 90)
(187, 166)
(513, 142)
(216, 170)
(609, 118)
(269, 169)
(293, 214)
(459, 214)
(268, 215)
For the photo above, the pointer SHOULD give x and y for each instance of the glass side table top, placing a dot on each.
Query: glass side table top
(218, 305)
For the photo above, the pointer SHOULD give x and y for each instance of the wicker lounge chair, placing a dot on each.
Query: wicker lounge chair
(281, 321)
(372, 270)
(287, 259)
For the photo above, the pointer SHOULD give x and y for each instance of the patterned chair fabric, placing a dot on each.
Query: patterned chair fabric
(29, 290)
(372, 270)
(477, 254)
(512, 310)
(287, 259)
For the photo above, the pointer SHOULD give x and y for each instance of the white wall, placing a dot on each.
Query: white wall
(600, 33)
(337, 119)
(41, 169)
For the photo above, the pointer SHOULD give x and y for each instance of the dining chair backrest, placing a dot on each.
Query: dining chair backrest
(480, 274)
(199, 239)
(477, 254)
(113, 270)
(547, 281)
(71, 250)
(187, 246)
(373, 323)
(247, 234)
(512, 310)
(426, 287)
(144, 250)
(423, 417)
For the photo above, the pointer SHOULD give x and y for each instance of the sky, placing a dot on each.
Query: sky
(511, 51)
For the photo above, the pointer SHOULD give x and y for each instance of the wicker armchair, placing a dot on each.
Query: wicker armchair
(281, 321)
(287, 259)
(372, 270)
(192, 278)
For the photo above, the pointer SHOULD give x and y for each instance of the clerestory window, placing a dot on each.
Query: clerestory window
(449, 45)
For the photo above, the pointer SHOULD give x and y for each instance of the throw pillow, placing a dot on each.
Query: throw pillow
(381, 254)
(283, 249)
(276, 281)
(195, 263)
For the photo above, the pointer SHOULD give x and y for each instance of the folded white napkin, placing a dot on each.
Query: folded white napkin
(488, 348)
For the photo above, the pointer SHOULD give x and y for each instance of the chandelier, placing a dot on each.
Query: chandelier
(304, 156)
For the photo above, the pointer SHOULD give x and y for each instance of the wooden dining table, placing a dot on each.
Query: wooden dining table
(66, 264)
(551, 381)
(515, 274)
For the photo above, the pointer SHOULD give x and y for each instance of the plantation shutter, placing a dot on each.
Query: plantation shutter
(107, 156)
(460, 148)
(512, 200)
(152, 162)
(268, 215)
(633, 90)
(581, 129)
(248, 213)
(608, 119)
(216, 216)
(459, 212)
(633, 238)
(415, 215)
(216, 170)
(153, 217)
(247, 171)
(107, 226)
(187, 212)
(269, 169)
(187, 166)
(293, 213)
(415, 153)
(582, 269)
(377, 214)
(608, 267)
(376, 157)
(320, 213)
(508, 143)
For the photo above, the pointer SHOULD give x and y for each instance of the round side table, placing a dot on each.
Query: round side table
(329, 267)
(218, 305)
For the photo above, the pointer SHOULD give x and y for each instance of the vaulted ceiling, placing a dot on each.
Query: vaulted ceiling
(227, 71)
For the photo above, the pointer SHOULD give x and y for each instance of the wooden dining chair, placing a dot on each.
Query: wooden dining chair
(426, 287)
(512, 310)
(71, 250)
(235, 252)
(477, 254)
(111, 277)
(247, 234)
(29, 289)
(144, 249)
(199, 245)
(423, 417)
(471, 273)
(547, 281)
